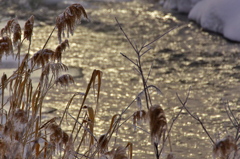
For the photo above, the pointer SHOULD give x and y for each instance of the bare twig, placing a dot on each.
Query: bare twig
(174, 119)
(196, 118)
(129, 59)
(160, 36)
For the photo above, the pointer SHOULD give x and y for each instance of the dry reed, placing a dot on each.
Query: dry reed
(68, 19)
(157, 123)
(116, 153)
(139, 116)
(28, 28)
(64, 80)
(6, 47)
(103, 143)
(22, 133)
(224, 148)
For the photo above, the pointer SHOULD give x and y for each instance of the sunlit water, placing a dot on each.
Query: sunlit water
(186, 57)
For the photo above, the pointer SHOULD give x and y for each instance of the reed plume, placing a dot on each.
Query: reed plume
(103, 143)
(223, 148)
(59, 50)
(157, 122)
(17, 33)
(64, 80)
(12, 28)
(170, 156)
(54, 68)
(7, 29)
(139, 116)
(42, 57)
(58, 137)
(68, 19)
(116, 153)
(6, 47)
(28, 28)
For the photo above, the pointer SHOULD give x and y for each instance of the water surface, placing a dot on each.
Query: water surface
(186, 57)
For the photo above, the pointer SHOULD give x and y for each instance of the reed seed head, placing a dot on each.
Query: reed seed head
(103, 143)
(64, 80)
(42, 57)
(7, 29)
(21, 116)
(17, 33)
(117, 153)
(139, 116)
(14, 28)
(59, 50)
(158, 123)
(8, 128)
(68, 19)
(28, 28)
(53, 68)
(224, 147)
(5, 46)
(4, 146)
(3, 80)
(170, 156)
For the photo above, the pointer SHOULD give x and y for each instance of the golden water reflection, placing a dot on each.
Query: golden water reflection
(185, 57)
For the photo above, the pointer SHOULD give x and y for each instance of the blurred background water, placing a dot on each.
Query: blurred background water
(186, 57)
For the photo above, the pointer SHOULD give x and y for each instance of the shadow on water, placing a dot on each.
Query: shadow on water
(185, 57)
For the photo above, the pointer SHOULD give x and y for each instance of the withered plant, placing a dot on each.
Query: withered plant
(154, 112)
(23, 132)
(227, 147)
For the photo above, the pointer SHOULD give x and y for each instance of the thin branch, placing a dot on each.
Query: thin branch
(160, 36)
(82, 126)
(145, 52)
(226, 108)
(196, 118)
(143, 130)
(149, 72)
(175, 118)
(130, 42)
(129, 59)
(232, 114)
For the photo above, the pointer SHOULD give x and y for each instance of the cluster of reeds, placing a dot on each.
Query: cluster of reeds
(23, 134)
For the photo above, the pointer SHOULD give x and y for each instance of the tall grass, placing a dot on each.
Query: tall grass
(24, 134)
(22, 130)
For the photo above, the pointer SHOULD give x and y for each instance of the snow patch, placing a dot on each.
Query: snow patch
(183, 6)
(222, 16)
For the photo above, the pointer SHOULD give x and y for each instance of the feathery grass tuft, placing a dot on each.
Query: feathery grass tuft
(68, 19)
(8, 28)
(64, 80)
(157, 122)
(21, 129)
(117, 153)
(59, 50)
(103, 143)
(28, 28)
(42, 57)
(6, 47)
(224, 147)
(139, 116)
(170, 156)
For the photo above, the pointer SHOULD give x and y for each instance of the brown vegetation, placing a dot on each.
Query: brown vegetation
(23, 132)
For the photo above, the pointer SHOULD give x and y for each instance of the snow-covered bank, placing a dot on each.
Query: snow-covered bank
(221, 16)
(183, 6)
